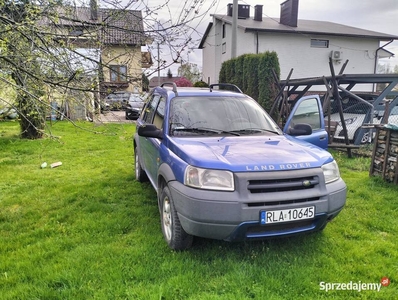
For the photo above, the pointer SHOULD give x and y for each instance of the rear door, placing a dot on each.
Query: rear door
(308, 110)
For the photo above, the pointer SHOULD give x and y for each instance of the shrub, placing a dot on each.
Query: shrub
(183, 82)
(200, 83)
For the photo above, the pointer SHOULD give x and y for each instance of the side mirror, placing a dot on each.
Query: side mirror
(150, 131)
(300, 129)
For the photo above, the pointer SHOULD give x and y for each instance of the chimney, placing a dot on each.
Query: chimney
(289, 13)
(93, 10)
(258, 13)
(243, 11)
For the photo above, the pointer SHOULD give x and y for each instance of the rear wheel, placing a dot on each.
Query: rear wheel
(174, 234)
(140, 174)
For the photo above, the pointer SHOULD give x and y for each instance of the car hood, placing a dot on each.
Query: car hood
(249, 153)
(358, 117)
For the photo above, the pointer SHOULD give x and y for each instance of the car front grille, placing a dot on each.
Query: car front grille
(282, 185)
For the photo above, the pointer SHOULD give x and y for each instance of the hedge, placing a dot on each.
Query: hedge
(252, 73)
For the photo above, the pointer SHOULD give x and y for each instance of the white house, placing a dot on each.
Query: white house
(303, 45)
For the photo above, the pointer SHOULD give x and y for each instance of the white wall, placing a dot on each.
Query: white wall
(294, 51)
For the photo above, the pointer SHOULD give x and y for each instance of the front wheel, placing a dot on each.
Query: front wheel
(174, 234)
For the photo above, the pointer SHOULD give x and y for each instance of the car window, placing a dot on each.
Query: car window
(135, 98)
(159, 115)
(307, 112)
(118, 96)
(150, 109)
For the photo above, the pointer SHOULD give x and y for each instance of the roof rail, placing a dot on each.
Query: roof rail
(172, 84)
(230, 85)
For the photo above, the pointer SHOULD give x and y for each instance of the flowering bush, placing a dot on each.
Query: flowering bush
(183, 82)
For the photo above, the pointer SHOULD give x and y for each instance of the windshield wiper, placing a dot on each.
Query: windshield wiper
(204, 130)
(255, 130)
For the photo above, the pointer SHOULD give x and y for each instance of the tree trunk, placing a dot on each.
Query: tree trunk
(32, 118)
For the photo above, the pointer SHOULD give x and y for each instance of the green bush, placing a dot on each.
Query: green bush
(200, 84)
(252, 73)
(267, 88)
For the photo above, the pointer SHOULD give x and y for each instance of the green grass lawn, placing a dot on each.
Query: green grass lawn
(88, 230)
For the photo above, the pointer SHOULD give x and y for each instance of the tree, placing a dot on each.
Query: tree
(38, 60)
(189, 71)
(145, 83)
(19, 52)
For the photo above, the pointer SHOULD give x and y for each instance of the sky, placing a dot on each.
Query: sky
(380, 16)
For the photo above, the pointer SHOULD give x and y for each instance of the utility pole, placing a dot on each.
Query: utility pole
(158, 65)
(234, 28)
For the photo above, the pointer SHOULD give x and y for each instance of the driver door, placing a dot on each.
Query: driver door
(308, 110)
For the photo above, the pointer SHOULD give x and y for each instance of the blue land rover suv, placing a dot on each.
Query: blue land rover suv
(223, 169)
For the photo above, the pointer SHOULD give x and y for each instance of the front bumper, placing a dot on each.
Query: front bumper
(235, 216)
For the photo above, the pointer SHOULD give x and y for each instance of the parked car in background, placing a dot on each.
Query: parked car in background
(348, 101)
(354, 117)
(8, 113)
(118, 100)
(134, 106)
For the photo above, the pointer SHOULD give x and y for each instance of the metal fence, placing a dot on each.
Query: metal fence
(359, 118)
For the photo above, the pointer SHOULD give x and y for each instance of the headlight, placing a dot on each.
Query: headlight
(331, 172)
(209, 179)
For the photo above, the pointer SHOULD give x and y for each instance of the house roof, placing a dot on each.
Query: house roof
(117, 26)
(303, 27)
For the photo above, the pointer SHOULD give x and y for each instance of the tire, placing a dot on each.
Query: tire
(364, 139)
(129, 116)
(322, 227)
(173, 233)
(140, 174)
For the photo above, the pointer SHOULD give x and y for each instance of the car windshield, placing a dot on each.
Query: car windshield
(118, 96)
(219, 115)
(359, 108)
(135, 98)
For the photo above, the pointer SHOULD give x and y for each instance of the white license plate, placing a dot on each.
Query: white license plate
(287, 215)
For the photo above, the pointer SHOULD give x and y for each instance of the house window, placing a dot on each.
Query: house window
(315, 43)
(224, 47)
(223, 30)
(118, 73)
